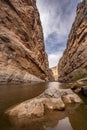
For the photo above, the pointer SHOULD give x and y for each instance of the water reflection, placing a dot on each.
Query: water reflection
(63, 124)
(11, 94)
(73, 118)
(59, 85)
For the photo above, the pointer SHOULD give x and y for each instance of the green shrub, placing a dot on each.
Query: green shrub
(79, 74)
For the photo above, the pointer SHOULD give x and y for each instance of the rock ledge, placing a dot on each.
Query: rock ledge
(52, 98)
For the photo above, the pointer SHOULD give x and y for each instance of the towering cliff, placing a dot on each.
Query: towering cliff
(22, 52)
(73, 64)
(55, 72)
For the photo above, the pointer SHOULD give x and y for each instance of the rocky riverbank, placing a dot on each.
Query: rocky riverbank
(80, 86)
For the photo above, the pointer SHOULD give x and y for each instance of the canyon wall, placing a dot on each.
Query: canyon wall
(22, 52)
(55, 72)
(73, 65)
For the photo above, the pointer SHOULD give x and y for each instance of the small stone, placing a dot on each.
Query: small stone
(78, 90)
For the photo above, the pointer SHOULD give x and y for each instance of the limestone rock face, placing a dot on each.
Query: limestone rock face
(73, 64)
(55, 72)
(22, 51)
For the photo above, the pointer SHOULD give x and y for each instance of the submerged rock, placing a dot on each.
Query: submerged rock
(35, 107)
(52, 98)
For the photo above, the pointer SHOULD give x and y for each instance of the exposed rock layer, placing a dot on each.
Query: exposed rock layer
(55, 72)
(73, 64)
(22, 51)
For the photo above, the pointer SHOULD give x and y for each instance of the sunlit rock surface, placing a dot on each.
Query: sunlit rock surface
(22, 52)
(55, 72)
(73, 65)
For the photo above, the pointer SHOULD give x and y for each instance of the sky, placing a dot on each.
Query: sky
(57, 17)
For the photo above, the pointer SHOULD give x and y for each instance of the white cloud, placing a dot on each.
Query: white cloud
(57, 17)
(54, 19)
(54, 58)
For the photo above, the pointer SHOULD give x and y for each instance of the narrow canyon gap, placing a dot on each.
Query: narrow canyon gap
(57, 17)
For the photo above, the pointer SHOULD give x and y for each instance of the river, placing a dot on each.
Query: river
(73, 118)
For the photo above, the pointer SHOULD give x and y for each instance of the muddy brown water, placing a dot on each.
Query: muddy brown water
(73, 118)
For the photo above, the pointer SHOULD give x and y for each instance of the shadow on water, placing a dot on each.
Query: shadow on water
(73, 118)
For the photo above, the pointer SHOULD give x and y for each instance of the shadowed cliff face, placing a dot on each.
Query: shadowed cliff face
(73, 64)
(22, 51)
